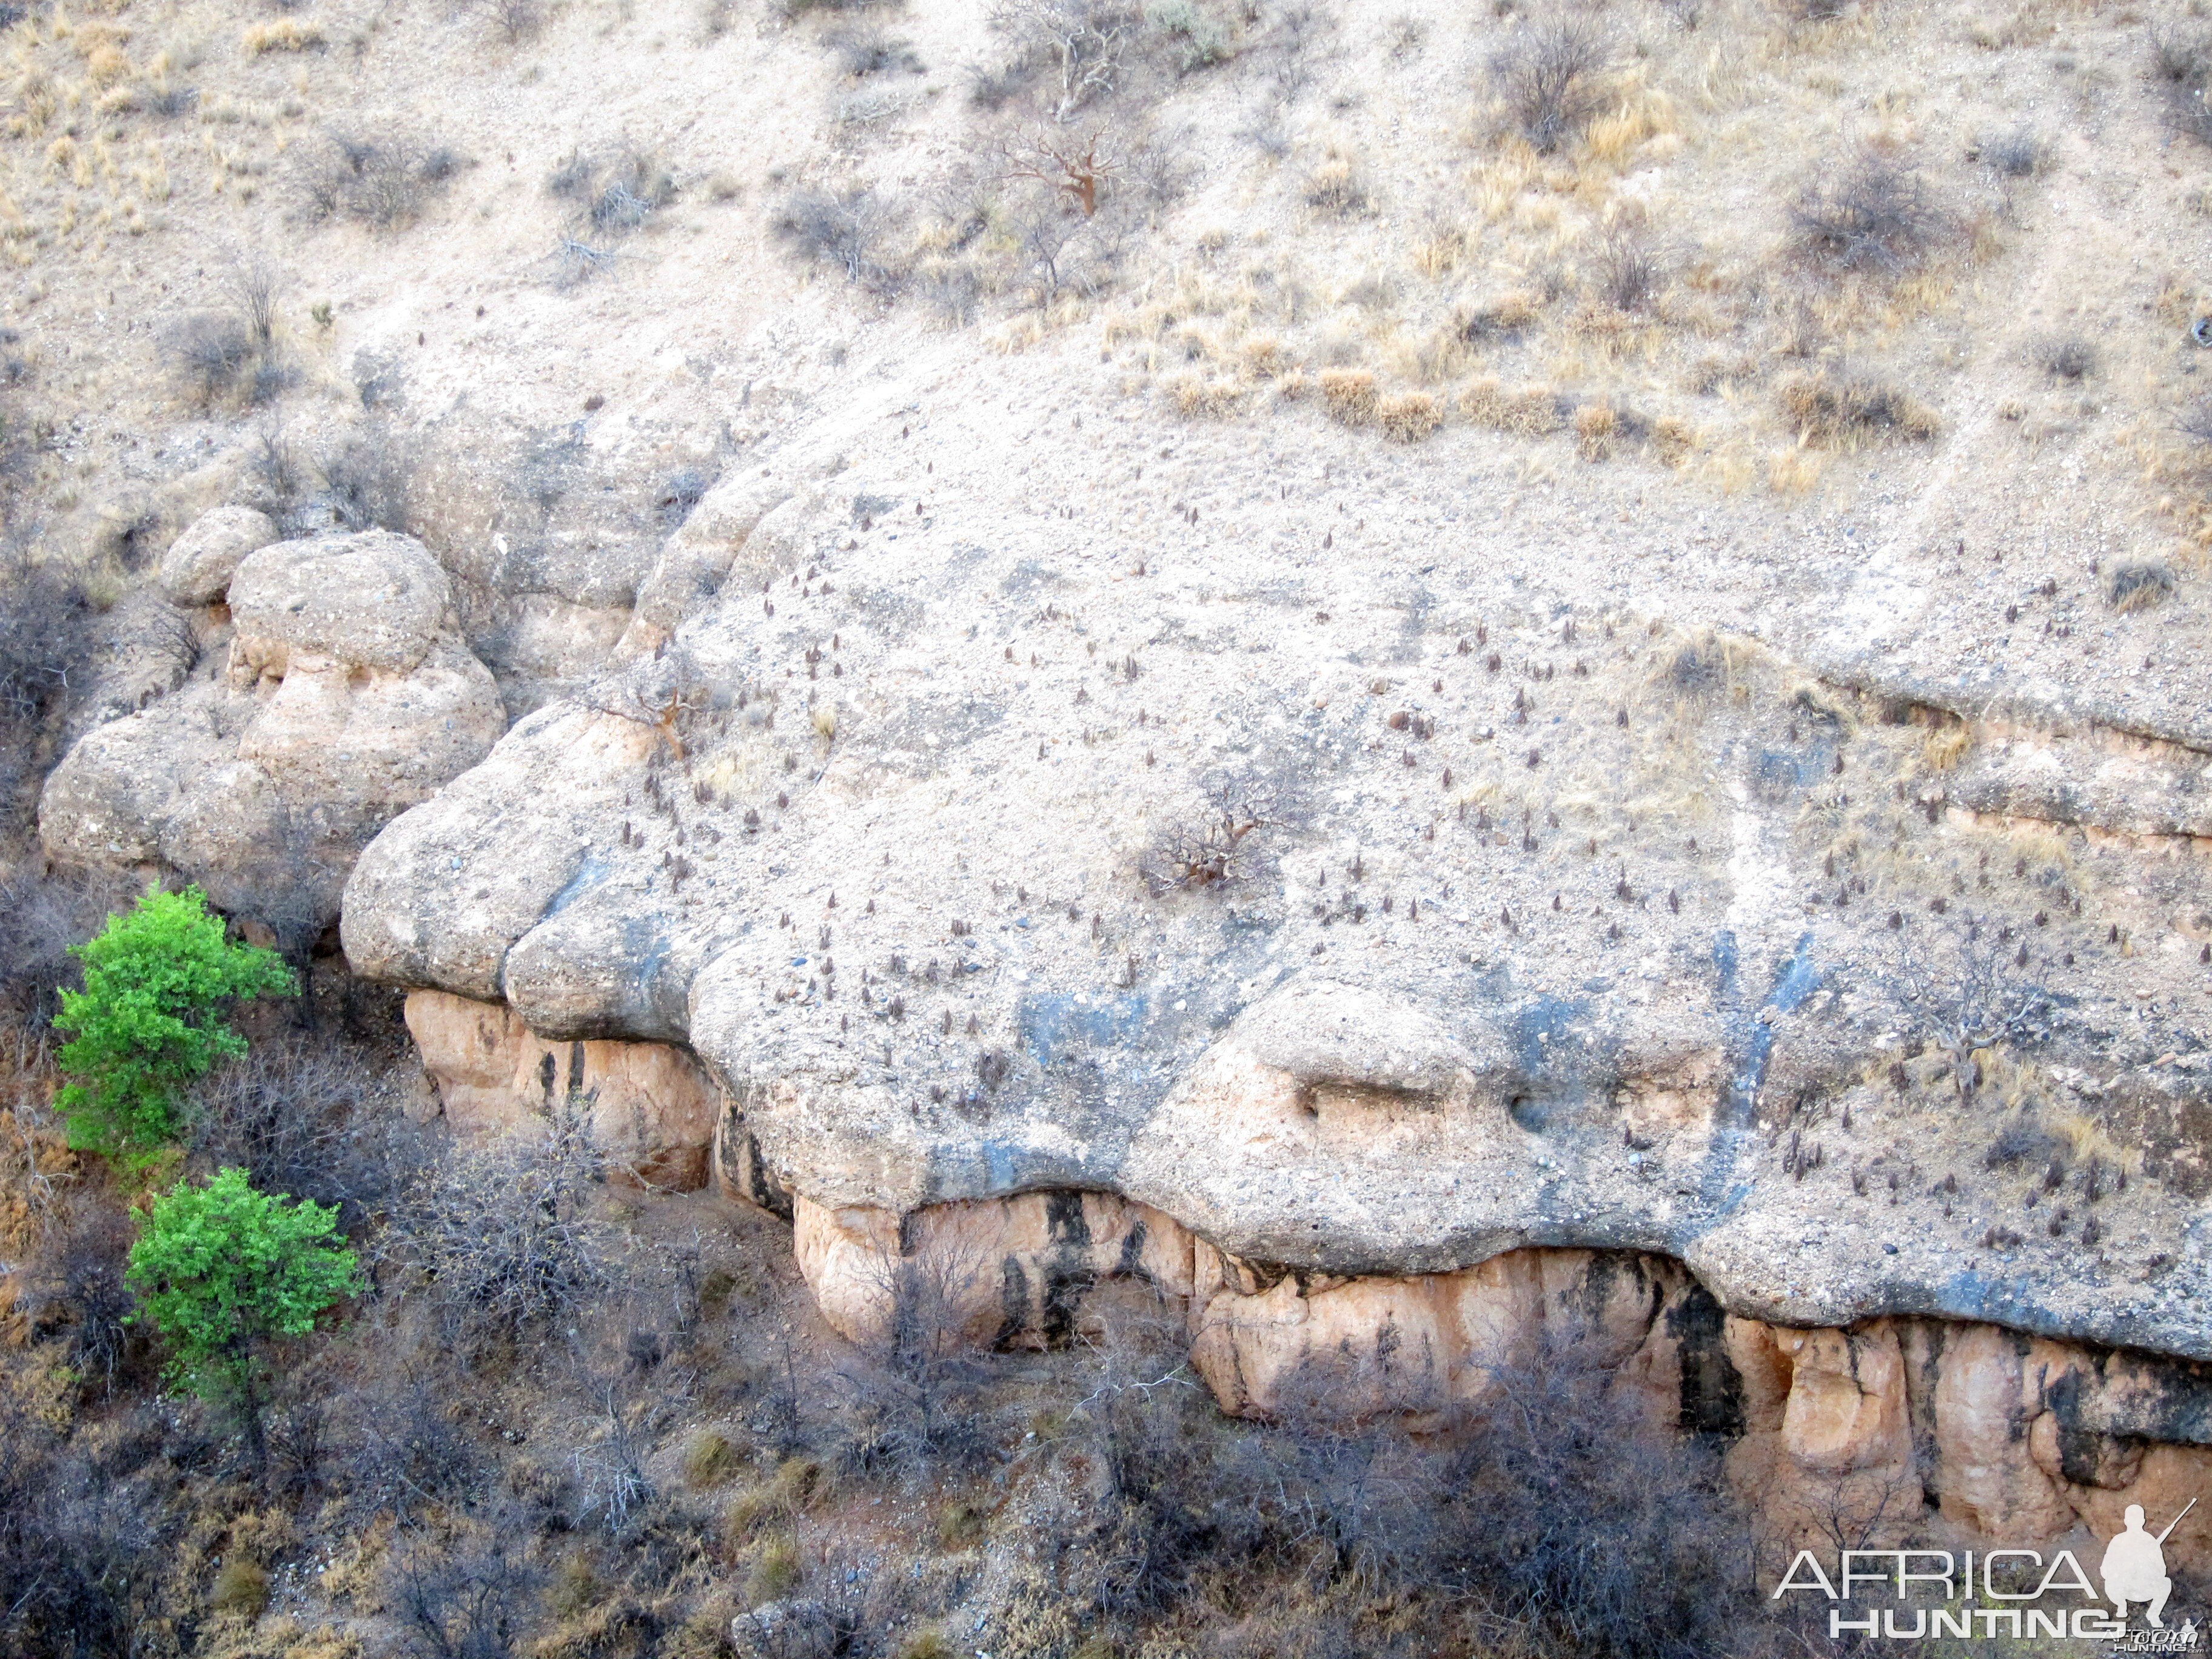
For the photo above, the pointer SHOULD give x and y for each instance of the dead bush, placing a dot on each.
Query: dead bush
(1624, 1543)
(1550, 77)
(1628, 269)
(74, 1293)
(912, 1389)
(615, 192)
(1407, 417)
(2066, 357)
(515, 21)
(469, 1599)
(849, 228)
(368, 478)
(45, 638)
(1211, 847)
(42, 913)
(1877, 215)
(1082, 44)
(383, 180)
(1848, 412)
(308, 1118)
(502, 1240)
(866, 51)
(2019, 154)
(2181, 57)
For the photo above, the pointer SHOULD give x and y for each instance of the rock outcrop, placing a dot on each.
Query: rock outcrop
(648, 1107)
(1858, 1431)
(1316, 934)
(335, 693)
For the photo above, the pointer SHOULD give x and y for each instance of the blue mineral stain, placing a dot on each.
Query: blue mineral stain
(590, 872)
(1057, 1028)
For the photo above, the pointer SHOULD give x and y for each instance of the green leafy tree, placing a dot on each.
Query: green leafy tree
(149, 1023)
(221, 1269)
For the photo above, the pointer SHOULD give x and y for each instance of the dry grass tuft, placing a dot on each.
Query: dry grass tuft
(282, 35)
(1408, 417)
(1846, 412)
(2139, 585)
(1198, 397)
(1529, 411)
(1596, 429)
(1349, 396)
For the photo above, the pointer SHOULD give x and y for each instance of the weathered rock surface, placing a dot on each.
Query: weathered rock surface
(339, 694)
(199, 564)
(649, 1107)
(1367, 921)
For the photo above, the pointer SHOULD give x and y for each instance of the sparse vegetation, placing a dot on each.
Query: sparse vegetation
(1877, 215)
(384, 179)
(1549, 77)
(1846, 411)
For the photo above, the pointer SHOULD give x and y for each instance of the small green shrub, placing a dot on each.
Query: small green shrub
(220, 1269)
(147, 1023)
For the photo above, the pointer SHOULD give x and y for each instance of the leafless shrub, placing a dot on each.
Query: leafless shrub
(1877, 215)
(46, 636)
(951, 288)
(1624, 1543)
(74, 1293)
(2019, 154)
(516, 20)
(2181, 57)
(615, 192)
(172, 102)
(912, 1386)
(42, 913)
(368, 478)
(1628, 269)
(849, 230)
(1286, 45)
(1084, 41)
(1210, 848)
(214, 353)
(79, 1555)
(2195, 425)
(383, 179)
(1140, 1423)
(465, 1601)
(1550, 76)
(2067, 357)
(404, 1452)
(993, 87)
(866, 51)
(1963, 989)
(308, 1118)
(502, 1239)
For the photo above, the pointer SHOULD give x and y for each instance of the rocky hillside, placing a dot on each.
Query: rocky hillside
(1297, 654)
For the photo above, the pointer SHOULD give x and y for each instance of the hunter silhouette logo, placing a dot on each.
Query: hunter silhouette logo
(2015, 1593)
(2134, 1568)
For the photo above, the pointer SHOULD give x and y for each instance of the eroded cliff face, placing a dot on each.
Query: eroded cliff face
(1857, 1431)
(1370, 920)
